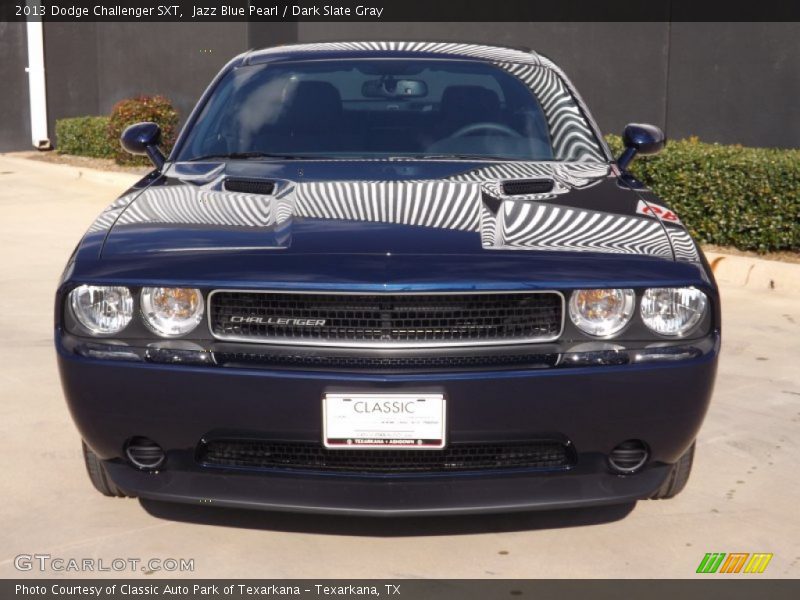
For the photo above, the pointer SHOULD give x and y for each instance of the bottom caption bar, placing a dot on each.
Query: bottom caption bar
(409, 589)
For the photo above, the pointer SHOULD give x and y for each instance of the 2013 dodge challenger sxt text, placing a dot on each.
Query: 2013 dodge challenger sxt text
(388, 278)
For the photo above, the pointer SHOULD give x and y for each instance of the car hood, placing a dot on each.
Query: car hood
(386, 207)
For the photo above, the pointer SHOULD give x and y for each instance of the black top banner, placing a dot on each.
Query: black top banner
(397, 10)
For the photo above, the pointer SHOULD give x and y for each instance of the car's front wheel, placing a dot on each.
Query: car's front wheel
(97, 473)
(677, 477)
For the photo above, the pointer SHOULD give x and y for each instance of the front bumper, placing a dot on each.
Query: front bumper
(459, 494)
(594, 407)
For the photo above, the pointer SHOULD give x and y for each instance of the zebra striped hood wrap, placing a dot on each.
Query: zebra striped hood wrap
(471, 202)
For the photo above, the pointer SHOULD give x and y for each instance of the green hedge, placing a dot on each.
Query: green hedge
(727, 195)
(84, 136)
(99, 136)
(157, 109)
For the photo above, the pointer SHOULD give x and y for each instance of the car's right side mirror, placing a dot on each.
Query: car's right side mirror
(640, 138)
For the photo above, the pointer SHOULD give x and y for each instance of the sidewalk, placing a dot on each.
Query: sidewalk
(46, 168)
(755, 273)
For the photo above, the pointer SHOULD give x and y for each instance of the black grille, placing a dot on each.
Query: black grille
(386, 319)
(250, 186)
(388, 363)
(527, 186)
(456, 457)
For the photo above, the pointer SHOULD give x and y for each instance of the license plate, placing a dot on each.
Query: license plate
(371, 421)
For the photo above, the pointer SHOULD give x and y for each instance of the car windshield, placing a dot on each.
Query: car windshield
(373, 109)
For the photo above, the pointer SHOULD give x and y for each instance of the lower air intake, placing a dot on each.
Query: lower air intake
(310, 456)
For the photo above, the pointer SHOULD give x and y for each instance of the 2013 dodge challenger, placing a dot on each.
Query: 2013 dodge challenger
(389, 278)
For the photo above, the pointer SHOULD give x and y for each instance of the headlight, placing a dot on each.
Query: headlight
(102, 309)
(673, 311)
(172, 311)
(601, 313)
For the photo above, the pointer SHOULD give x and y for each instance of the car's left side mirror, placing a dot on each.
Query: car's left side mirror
(640, 138)
(143, 138)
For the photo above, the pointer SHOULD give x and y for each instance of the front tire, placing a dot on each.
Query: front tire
(97, 473)
(678, 476)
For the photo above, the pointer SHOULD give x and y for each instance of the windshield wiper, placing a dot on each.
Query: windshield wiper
(247, 155)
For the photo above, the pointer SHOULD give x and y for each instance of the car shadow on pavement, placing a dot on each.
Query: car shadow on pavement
(386, 526)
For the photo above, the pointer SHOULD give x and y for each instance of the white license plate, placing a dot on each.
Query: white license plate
(359, 421)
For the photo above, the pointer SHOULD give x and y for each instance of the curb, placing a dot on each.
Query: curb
(755, 273)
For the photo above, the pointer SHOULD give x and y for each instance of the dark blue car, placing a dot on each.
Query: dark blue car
(389, 278)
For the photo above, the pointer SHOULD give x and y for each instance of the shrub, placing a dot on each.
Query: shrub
(84, 136)
(727, 195)
(157, 109)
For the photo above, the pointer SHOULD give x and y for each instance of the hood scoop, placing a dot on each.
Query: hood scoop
(261, 187)
(527, 187)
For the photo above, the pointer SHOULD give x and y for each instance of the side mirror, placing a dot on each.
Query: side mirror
(143, 138)
(640, 138)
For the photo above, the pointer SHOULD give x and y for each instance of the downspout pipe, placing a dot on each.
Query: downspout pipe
(36, 83)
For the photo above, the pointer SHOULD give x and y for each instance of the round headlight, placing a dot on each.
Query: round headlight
(601, 313)
(172, 312)
(673, 311)
(102, 309)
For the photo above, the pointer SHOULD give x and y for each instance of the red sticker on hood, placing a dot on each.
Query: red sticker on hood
(654, 210)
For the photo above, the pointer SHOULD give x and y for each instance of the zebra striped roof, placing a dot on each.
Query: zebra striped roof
(452, 49)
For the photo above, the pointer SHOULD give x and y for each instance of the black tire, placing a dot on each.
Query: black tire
(97, 473)
(678, 476)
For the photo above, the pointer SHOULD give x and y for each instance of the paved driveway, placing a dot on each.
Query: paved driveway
(742, 497)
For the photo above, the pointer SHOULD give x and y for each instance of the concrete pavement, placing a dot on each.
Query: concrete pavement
(742, 496)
